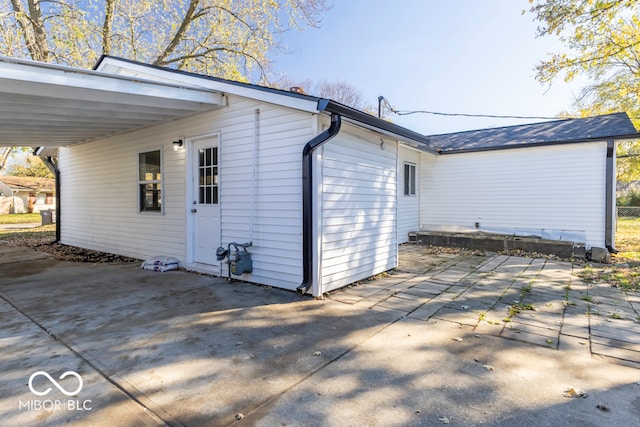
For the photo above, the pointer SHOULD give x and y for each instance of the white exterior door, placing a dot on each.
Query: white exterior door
(205, 201)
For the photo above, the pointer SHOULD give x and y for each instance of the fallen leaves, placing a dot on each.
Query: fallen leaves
(75, 254)
(42, 240)
(573, 392)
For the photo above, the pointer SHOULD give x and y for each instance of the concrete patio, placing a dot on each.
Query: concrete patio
(458, 339)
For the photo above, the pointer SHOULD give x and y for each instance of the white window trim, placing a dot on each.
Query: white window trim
(139, 182)
(413, 184)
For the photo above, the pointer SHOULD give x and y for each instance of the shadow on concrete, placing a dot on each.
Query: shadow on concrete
(195, 350)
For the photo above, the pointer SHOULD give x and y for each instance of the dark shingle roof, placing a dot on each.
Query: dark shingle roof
(546, 133)
(323, 104)
(552, 132)
(22, 183)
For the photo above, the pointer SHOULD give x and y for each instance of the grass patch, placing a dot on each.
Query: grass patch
(625, 278)
(514, 309)
(628, 239)
(23, 218)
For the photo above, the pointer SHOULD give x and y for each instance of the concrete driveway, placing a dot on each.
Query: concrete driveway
(455, 339)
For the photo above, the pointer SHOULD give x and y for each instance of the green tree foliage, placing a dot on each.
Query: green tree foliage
(34, 168)
(632, 198)
(603, 42)
(225, 38)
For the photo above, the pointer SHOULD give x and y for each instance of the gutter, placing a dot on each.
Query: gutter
(609, 200)
(338, 112)
(377, 124)
(307, 199)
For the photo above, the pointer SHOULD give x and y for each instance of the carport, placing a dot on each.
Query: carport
(47, 106)
(55, 106)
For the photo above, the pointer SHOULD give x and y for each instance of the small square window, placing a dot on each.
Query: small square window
(150, 181)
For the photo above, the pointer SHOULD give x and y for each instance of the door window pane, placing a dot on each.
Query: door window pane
(208, 173)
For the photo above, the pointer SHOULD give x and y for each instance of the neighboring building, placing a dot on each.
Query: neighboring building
(155, 161)
(26, 194)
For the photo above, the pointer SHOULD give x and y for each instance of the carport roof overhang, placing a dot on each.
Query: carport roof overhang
(52, 105)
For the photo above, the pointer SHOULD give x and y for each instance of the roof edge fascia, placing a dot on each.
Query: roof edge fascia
(421, 142)
(284, 98)
(93, 72)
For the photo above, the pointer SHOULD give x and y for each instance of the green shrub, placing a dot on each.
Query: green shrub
(631, 199)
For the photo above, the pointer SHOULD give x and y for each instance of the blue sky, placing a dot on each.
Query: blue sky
(458, 56)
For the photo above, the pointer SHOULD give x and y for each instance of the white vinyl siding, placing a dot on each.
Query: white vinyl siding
(408, 205)
(542, 189)
(359, 190)
(100, 194)
(277, 191)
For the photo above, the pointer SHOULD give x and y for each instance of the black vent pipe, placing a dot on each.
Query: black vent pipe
(307, 199)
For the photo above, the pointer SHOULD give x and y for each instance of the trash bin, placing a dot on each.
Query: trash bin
(47, 217)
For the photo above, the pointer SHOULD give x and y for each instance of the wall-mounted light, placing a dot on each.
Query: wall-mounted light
(177, 145)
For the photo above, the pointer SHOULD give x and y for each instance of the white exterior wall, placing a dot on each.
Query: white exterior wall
(358, 208)
(277, 221)
(100, 189)
(408, 206)
(544, 189)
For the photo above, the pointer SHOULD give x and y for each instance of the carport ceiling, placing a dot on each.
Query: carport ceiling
(51, 105)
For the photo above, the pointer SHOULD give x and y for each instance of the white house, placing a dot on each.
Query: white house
(180, 164)
(20, 194)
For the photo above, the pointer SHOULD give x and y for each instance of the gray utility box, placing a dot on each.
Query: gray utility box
(241, 263)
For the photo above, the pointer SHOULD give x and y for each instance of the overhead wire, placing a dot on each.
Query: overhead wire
(389, 107)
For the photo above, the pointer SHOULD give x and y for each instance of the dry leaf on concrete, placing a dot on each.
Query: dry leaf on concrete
(574, 392)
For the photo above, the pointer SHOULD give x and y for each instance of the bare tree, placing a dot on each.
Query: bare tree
(339, 91)
(225, 38)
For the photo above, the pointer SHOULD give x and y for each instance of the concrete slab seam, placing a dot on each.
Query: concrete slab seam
(151, 412)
